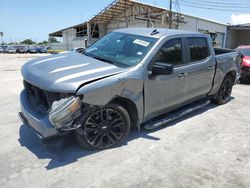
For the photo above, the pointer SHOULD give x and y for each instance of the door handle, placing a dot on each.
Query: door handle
(182, 75)
(210, 67)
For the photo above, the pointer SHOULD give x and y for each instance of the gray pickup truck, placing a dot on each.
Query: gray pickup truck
(129, 78)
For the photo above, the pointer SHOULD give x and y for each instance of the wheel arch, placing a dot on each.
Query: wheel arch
(131, 108)
(219, 77)
(232, 74)
(220, 99)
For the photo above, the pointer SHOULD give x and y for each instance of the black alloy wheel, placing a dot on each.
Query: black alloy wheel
(224, 93)
(105, 128)
(226, 90)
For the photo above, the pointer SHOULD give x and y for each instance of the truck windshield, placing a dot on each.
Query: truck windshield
(121, 49)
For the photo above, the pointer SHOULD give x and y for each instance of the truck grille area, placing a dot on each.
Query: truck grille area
(40, 99)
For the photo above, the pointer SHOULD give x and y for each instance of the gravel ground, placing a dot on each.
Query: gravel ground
(208, 148)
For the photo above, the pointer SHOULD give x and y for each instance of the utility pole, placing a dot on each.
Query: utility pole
(1, 34)
(170, 14)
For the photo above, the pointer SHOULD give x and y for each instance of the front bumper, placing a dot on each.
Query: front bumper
(36, 121)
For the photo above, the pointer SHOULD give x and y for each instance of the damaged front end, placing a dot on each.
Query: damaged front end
(64, 113)
(50, 114)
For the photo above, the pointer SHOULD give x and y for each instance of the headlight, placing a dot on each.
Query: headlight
(63, 111)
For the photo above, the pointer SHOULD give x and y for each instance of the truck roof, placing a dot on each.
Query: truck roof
(154, 32)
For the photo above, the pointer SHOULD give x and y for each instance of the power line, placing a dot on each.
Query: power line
(227, 9)
(200, 3)
(177, 6)
(225, 3)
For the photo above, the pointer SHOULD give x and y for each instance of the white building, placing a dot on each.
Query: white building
(130, 13)
(238, 35)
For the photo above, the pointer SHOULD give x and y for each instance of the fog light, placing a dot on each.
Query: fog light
(62, 111)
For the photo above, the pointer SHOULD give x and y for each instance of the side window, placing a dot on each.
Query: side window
(198, 49)
(170, 52)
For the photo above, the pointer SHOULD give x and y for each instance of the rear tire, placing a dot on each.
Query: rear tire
(104, 128)
(224, 93)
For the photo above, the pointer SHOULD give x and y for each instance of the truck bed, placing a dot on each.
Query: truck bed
(220, 51)
(228, 56)
(226, 59)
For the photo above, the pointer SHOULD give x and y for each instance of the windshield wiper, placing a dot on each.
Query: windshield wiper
(83, 52)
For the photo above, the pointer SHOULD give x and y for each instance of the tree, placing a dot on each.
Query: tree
(12, 43)
(43, 43)
(53, 40)
(28, 41)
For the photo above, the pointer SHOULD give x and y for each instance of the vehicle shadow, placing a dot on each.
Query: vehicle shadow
(70, 151)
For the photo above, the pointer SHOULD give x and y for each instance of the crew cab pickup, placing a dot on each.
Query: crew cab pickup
(129, 78)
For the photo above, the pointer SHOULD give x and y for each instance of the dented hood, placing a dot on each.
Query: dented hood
(65, 72)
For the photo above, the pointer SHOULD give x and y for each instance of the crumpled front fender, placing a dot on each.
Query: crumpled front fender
(103, 91)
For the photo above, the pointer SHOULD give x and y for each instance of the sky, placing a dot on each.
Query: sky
(35, 19)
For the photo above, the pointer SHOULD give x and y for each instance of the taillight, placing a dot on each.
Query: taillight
(242, 57)
(245, 61)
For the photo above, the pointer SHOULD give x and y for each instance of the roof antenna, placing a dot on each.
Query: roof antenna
(154, 32)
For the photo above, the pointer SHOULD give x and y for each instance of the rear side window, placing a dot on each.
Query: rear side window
(198, 49)
(170, 52)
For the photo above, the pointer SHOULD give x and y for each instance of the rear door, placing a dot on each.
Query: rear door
(200, 68)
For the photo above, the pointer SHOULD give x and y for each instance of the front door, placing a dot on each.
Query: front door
(165, 91)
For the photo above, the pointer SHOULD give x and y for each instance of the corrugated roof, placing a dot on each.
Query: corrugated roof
(117, 7)
(59, 32)
(245, 26)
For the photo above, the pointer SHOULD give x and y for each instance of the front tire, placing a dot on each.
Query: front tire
(224, 93)
(104, 128)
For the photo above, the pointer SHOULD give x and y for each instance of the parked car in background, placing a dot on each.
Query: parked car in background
(21, 49)
(245, 66)
(10, 50)
(1, 50)
(32, 49)
(79, 50)
(4, 49)
(41, 49)
(130, 77)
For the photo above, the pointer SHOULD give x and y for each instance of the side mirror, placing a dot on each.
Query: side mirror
(160, 68)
